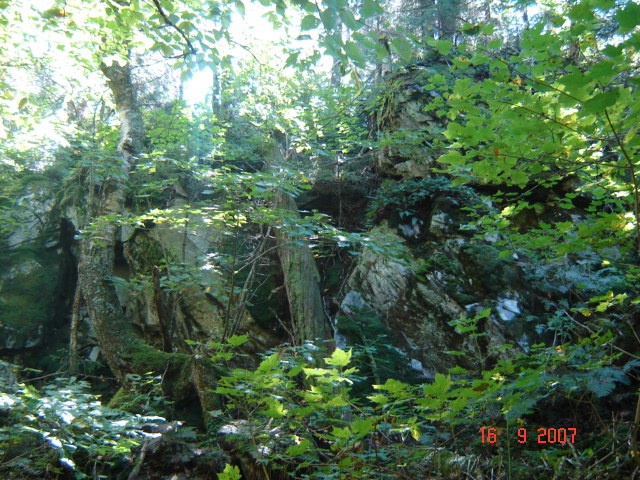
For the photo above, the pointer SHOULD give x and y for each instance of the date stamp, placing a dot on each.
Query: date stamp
(542, 435)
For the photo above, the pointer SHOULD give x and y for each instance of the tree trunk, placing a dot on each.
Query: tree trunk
(301, 276)
(448, 14)
(115, 336)
(122, 349)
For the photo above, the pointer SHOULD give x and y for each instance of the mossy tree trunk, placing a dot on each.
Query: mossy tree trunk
(123, 350)
(308, 318)
(115, 336)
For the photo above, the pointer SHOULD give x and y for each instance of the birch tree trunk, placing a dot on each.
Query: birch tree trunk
(115, 336)
(122, 349)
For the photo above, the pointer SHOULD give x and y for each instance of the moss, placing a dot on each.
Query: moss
(174, 367)
(445, 263)
(27, 297)
(145, 358)
(489, 270)
(143, 252)
(27, 182)
(363, 323)
(404, 200)
(122, 399)
(21, 312)
(266, 305)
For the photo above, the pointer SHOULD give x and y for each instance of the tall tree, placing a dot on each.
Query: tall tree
(96, 262)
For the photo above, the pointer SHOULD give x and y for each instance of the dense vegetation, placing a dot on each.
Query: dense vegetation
(531, 123)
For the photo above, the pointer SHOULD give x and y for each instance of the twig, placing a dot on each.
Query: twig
(73, 334)
(634, 178)
(634, 433)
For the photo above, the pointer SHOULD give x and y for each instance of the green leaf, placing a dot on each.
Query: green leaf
(337, 402)
(458, 404)
(275, 408)
(370, 8)
(581, 12)
(613, 51)
(440, 386)
(602, 382)
(316, 371)
(349, 20)
(629, 17)
(599, 102)
(230, 473)
(392, 386)
(518, 177)
(295, 371)
(402, 47)
(303, 447)
(470, 29)
(329, 19)
(442, 46)
(452, 157)
(430, 403)
(488, 29)
(362, 427)
(379, 399)
(353, 52)
(438, 79)
(269, 363)
(237, 340)
(309, 22)
(381, 52)
(456, 353)
(339, 358)
(292, 60)
(341, 432)
(458, 370)
(307, 6)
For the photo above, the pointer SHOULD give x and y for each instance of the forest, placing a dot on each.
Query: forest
(319, 239)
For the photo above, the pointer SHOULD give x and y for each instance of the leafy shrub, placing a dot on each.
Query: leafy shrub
(63, 431)
(307, 420)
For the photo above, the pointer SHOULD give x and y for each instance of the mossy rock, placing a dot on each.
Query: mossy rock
(27, 297)
(125, 400)
(489, 270)
(444, 262)
(175, 368)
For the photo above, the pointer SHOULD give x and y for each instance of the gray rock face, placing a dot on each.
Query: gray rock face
(430, 283)
(380, 281)
(415, 312)
(195, 281)
(32, 213)
(405, 128)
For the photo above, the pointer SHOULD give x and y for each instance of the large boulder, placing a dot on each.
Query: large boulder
(429, 275)
(179, 267)
(31, 276)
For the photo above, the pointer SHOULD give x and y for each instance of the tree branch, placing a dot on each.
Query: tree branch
(634, 179)
(166, 19)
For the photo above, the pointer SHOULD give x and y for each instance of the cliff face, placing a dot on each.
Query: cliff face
(441, 275)
(188, 279)
(456, 293)
(32, 279)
